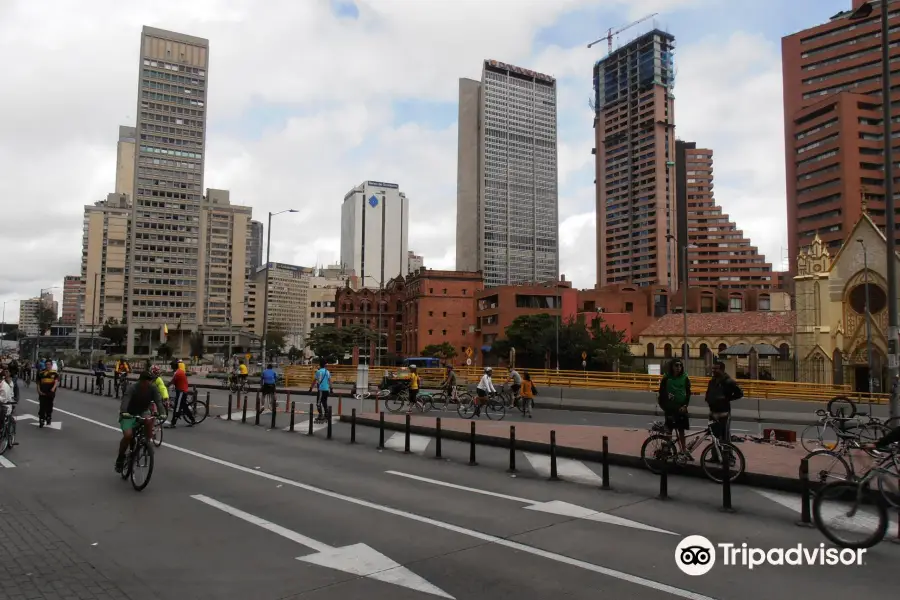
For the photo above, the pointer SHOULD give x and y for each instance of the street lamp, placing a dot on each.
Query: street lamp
(863, 12)
(266, 294)
(3, 323)
(868, 317)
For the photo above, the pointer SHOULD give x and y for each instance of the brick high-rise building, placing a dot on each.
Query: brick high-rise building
(164, 284)
(507, 217)
(635, 148)
(834, 142)
(72, 290)
(718, 254)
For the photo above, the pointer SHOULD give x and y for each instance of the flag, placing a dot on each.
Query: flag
(166, 328)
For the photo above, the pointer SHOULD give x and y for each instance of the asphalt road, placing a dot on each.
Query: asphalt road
(238, 512)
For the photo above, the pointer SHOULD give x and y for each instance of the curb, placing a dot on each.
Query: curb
(760, 480)
(653, 412)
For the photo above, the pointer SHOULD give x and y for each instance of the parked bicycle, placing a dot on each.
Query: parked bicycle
(659, 449)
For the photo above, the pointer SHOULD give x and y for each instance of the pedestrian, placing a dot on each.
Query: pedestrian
(720, 393)
(673, 398)
(322, 383)
(48, 381)
(180, 381)
(6, 394)
(529, 391)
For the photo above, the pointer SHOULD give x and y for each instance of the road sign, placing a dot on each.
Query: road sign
(468, 362)
(583, 355)
(583, 364)
(469, 351)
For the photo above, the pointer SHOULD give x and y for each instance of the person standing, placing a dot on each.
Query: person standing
(413, 387)
(720, 393)
(673, 398)
(322, 383)
(180, 381)
(48, 381)
(529, 391)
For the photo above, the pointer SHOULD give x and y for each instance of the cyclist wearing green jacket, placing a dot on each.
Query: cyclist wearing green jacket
(160, 384)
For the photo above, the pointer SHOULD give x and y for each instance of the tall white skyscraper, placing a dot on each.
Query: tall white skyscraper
(375, 233)
(507, 219)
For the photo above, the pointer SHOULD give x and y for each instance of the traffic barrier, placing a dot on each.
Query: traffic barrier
(256, 416)
(437, 437)
(605, 459)
(553, 475)
(288, 403)
(108, 387)
(310, 432)
(274, 410)
(92, 386)
(380, 430)
(664, 480)
(340, 405)
(244, 410)
(406, 435)
(353, 426)
(805, 497)
(472, 462)
(726, 480)
(376, 405)
(328, 417)
(512, 448)
(229, 406)
(292, 415)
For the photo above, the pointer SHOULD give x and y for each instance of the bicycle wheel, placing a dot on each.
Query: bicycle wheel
(394, 403)
(427, 402)
(714, 469)
(439, 401)
(199, 410)
(889, 483)
(141, 466)
(892, 423)
(872, 432)
(466, 408)
(4, 439)
(826, 466)
(818, 437)
(850, 516)
(126, 468)
(495, 409)
(841, 406)
(158, 432)
(11, 433)
(656, 451)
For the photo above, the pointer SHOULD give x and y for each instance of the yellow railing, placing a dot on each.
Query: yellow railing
(302, 376)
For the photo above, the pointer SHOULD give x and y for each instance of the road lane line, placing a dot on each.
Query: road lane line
(404, 514)
(418, 444)
(6, 463)
(462, 487)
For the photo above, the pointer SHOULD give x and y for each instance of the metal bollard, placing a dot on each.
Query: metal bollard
(664, 481)
(472, 462)
(292, 415)
(353, 426)
(553, 476)
(92, 386)
(244, 410)
(78, 385)
(274, 410)
(512, 448)
(725, 456)
(328, 417)
(805, 514)
(108, 388)
(605, 485)
(310, 432)
(340, 406)
(229, 407)
(381, 430)
(406, 435)
(437, 437)
(288, 403)
(257, 409)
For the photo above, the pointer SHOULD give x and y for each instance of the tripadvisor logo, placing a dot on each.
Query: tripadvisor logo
(696, 555)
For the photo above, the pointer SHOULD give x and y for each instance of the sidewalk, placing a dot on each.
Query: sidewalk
(769, 466)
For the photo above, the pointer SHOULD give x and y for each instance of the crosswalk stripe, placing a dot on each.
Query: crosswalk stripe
(303, 426)
(417, 443)
(566, 469)
(6, 463)
(236, 416)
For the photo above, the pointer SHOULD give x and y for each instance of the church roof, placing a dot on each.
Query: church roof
(724, 323)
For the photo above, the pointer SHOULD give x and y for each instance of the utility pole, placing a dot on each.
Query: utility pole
(93, 318)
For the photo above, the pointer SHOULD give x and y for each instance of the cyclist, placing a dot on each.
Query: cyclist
(136, 405)
(413, 387)
(160, 385)
(180, 381)
(449, 383)
(673, 397)
(485, 387)
(13, 368)
(528, 393)
(121, 371)
(243, 372)
(268, 379)
(516, 380)
(322, 382)
(27, 368)
(6, 396)
(100, 375)
(48, 381)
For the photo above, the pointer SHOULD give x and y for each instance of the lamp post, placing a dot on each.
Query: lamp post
(863, 12)
(3, 323)
(868, 317)
(684, 290)
(265, 332)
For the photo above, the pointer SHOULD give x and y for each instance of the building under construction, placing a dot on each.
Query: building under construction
(635, 154)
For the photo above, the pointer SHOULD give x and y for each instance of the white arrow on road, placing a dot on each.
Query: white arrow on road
(555, 507)
(356, 559)
(57, 425)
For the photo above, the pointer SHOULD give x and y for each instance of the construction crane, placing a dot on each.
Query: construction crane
(609, 34)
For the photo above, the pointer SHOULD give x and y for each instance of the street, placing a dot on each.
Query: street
(237, 511)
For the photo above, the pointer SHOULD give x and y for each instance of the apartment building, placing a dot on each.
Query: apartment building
(72, 290)
(224, 233)
(165, 261)
(635, 156)
(415, 262)
(29, 312)
(105, 241)
(323, 286)
(834, 138)
(288, 299)
(379, 310)
(375, 232)
(439, 307)
(718, 253)
(507, 214)
(255, 247)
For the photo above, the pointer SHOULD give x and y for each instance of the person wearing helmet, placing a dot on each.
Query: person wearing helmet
(155, 372)
(485, 387)
(449, 383)
(413, 387)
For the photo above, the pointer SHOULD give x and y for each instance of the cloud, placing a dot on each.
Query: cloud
(302, 106)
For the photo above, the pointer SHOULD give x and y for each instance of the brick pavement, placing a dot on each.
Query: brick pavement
(37, 564)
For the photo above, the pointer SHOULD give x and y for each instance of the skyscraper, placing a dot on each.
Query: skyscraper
(72, 290)
(507, 218)
(375, 233)
(834, 138)
(635, 149)
(718, 253)
(162, 282)
(255, 246)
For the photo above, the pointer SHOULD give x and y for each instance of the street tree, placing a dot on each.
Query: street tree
(444, 351)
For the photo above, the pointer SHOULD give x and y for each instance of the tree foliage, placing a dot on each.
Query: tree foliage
(444, 351)
(114, 332)
(275, 340)
(294, 353)
(333, 343)
(46, 317)
(197, 344)
(164, 351)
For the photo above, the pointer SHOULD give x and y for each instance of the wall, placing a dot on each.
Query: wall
(440, 307)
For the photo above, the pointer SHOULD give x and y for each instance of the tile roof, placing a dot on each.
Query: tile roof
(724, 323)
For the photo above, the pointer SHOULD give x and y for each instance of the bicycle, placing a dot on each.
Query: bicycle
(139, 455)
(120, 384)
(100, 383)
(199, 408)
(396, 403)
(236, 384)
(847, 497)
(826, 434)
(8, 429)
(492, 406)
(663, 449)
(441, 399)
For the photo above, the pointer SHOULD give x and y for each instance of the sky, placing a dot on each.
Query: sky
(308, 98)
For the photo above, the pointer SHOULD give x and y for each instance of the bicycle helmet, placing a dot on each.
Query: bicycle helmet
(488, 370)
(412, 367)
(155, 371)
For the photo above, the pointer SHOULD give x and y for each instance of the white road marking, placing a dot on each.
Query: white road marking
(831, 512)
(405, 514)
(556, 507)
(567, 470)
(53, 425)
(236, 416)
(357, 559)
(6, 463)
(303, 427)
(417, 443)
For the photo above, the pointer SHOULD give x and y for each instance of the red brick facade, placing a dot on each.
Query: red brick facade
(440, 307)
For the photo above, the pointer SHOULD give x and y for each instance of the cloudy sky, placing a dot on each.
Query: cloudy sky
(308, 98)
